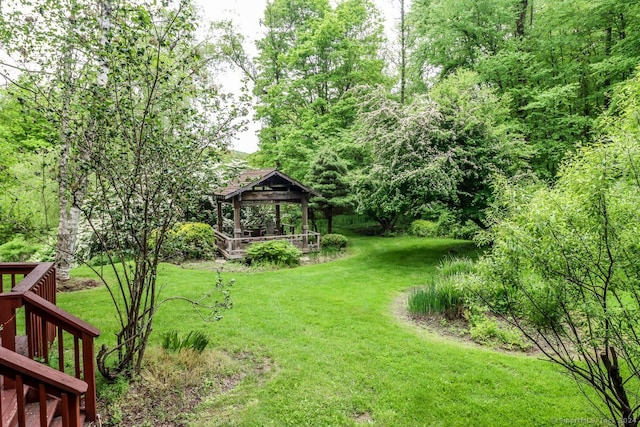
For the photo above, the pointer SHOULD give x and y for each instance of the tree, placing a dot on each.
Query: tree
(564, 262)
(162, 112)
(22, 131)
(451, 34)
(135, 107)
(54, 59)
(26, 139)
(408, 165)
(309, 58)
(443, 147)
(558, 73)
(328, 176)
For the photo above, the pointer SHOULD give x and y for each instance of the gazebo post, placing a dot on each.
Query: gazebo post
(219, 210)
(237, 227)
(278, 220)
(305, 221)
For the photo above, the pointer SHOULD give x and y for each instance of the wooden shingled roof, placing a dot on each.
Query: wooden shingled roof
(248, 180)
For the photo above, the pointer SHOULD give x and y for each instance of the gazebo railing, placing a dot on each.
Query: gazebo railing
(236, 247)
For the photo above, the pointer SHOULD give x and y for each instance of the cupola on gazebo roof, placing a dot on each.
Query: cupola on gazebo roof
(263, 186)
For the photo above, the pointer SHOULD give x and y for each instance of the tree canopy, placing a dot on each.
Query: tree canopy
(444, 147)
(312, 54)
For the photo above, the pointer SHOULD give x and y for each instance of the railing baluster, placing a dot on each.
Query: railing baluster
(42, 399)
(65, 409)
(29, 330)
(90, 398)
(20, 400)
(2, 387)
(76, 351)
(43, 338)
(60, 350)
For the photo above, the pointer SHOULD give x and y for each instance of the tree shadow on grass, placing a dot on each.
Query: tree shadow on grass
(421, 253)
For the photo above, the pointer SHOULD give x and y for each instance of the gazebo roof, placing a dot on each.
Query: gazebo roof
(270, 178)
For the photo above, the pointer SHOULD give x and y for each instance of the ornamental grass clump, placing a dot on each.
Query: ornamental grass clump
(194, 340)
(443, 297)
(447, 294)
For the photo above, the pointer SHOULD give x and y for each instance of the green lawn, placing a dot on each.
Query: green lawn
(337, 355)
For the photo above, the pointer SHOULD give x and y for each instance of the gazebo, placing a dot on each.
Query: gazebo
(264, 186)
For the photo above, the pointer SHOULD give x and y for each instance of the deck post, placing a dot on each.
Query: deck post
(305, 222)
(278, 221)
(237, 227)
(219, 212)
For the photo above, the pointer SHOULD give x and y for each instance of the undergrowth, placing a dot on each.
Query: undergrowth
(170, 388)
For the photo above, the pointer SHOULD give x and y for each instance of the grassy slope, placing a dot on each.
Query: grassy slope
(338, 354)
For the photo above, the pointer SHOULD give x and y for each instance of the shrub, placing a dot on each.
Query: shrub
(17, 250)
(334, 242)
(541, 303)
(488, 331)
(449, 225)
(195, 340)
(275, 252)
(198, 240)
(45, 253)
(423, 228)
(189, 241)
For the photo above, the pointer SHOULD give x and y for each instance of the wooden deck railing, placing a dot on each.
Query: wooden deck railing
(235, 248)
(34, 296)
(47, 381)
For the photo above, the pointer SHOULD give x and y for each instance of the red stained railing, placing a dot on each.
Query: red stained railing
(29, 290)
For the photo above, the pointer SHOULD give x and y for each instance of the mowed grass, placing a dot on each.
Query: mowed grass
(333, 352)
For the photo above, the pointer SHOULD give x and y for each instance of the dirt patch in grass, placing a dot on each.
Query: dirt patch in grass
(437, 324)
(362, 418)
(76, 284)
(173, 385)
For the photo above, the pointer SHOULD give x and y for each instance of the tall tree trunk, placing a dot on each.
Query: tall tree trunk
(72, 180)
(403, 53)
(522, 18)
(65, 244)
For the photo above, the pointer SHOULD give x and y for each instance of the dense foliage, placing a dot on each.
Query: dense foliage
(334, 242)
(566, 262)
(274, 253)
(443, 148)
(558, 61)
(311, 54)
(563, 264)
(188, 241)
(328, 176)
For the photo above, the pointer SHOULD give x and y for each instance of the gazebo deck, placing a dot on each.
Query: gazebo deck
(236, 248)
